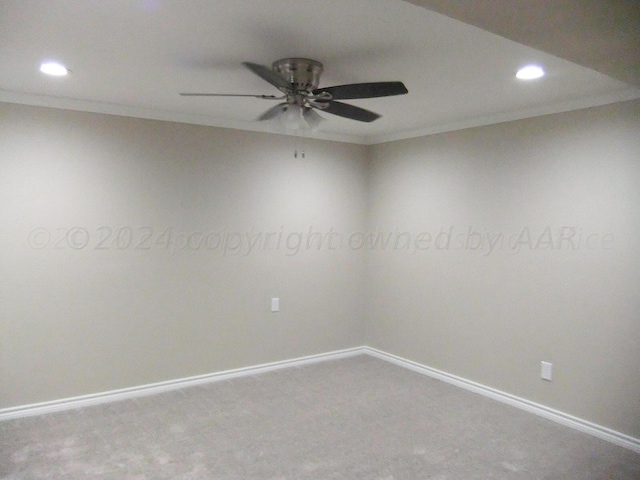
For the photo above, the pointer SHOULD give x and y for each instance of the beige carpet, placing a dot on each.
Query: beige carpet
(358, 418)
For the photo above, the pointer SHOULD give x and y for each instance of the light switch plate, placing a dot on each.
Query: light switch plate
(546, 371)
(275, 304)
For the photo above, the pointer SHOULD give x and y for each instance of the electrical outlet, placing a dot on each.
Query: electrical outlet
(275, 304)
(546, 371)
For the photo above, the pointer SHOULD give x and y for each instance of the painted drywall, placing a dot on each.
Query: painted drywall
(135, 251)
(513, 244)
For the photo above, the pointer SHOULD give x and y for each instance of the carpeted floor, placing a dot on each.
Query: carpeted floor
(357, 418)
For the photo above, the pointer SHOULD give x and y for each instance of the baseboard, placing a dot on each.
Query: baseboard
(585, 426)
(153, 388)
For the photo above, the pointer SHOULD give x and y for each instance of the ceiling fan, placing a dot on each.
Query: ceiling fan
(298, 80)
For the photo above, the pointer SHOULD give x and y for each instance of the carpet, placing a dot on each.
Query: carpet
(354, 418)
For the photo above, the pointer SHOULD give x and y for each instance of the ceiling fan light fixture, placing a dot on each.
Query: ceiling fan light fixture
(312, 119)
(295, 117)
(530, 72)
(292, 118)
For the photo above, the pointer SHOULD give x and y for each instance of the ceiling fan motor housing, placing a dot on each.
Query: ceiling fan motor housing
(302, 73)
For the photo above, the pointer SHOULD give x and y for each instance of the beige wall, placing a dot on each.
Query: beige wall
(84, 308)
(88, 310)
(490, 315)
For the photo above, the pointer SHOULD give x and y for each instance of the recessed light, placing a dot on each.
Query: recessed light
(530, 72)
(53, 68)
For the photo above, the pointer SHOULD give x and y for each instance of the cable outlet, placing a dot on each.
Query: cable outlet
(546, 371)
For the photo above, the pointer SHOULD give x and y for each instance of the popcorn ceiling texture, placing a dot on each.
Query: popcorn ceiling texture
(357, 418)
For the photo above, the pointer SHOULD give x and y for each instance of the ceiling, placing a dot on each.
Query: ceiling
(133, 57)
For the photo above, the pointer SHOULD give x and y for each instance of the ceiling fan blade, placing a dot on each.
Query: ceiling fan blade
(267, 97)
(273, 112)
(269, 75)
(349, 111)
(364, 90)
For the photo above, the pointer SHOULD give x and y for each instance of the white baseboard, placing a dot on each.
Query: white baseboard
(153, 388)
(585, 426)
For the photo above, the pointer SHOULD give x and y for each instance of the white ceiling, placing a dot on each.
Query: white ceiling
(133, 57)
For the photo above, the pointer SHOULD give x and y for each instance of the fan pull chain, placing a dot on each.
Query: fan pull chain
(302, 146)
(297, 147)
